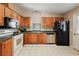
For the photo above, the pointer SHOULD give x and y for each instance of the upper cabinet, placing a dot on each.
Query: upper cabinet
(47, 22)
(14, 15)
(1, 15)
(27, 22)
(19, 19)
(59, 18)
(22, 21)
(8, 12)
(7, 9)
(11, 6)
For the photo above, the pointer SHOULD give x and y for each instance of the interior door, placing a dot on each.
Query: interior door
(76, 31)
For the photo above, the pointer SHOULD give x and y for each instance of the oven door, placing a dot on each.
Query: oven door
(17, 43)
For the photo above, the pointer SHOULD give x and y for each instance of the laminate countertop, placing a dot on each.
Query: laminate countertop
(47, 32)
(2, 39)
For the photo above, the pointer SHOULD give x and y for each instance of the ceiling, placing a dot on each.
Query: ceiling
(56, 8)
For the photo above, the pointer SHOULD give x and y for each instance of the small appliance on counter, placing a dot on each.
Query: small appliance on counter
(10, 23)
(6, 23)
(14, 23)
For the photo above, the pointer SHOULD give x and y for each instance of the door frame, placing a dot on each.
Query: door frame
(75, 35)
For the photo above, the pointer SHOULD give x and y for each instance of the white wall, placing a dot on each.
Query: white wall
(29, 13)
(69, 16)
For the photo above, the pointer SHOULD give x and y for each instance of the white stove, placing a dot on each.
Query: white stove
(5, 32)
(17, 44)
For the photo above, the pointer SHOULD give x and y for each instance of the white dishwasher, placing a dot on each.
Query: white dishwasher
(50, 38)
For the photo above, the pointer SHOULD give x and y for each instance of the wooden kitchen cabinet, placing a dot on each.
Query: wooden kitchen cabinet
(6, 48)
(27, 38)
(48, 22)
(27, 22)
(8, 12)
(19, 19)
(11, 6)
(30, 38)
(22, 22)
(59, 18)
(1, 15)
(14, 16)
(43, 37)
(33, 38)
(39, 38)
(24, 39)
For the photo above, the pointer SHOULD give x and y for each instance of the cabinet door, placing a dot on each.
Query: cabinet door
(1, 15)
(14, 16)
(44, 22)
(30, 38)
(27, 22)
(33, 38)
(8, 12)
(11, 6)
(22, 21)
(25, 38)
(52, 20)
(47, 22)
(58, 18)
(19, 19)
(44, 37)
(39, 37)
(7, 48)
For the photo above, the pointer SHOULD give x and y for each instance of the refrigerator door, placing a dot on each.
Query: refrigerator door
(62, 35)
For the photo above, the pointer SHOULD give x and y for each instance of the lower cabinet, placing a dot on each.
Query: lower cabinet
(35, 38)
(43, 38)
(26, 38)
(6, 48)
(39, 38)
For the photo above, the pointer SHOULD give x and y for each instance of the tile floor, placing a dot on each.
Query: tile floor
(47, 50)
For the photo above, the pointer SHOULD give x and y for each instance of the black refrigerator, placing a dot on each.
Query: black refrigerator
(61, 29)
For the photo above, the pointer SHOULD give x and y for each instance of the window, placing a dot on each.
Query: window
(36, 26)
